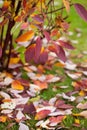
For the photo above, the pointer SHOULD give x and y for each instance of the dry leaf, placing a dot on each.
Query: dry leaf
(3, 118)
(67, 5)
(14, 60)
(17, 85)
(25, 37)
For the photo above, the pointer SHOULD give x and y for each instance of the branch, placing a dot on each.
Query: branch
(53, 11)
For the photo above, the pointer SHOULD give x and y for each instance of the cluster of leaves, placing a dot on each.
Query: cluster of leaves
(30, 26)
(36, 22)
(32, 18)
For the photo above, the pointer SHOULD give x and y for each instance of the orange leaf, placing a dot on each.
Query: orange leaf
(3, 118)
(6, 5)
(14, 60)
(42, 85)
(67, 5)
(42, 114)
(17, 85)
(25, 37)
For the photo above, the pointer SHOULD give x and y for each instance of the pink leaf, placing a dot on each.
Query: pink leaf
(23, 126)
(29, 54)
(81, 11)
(66, 44)
(47, 35)
(38, 18)
(60, 53)
(43, 57)
(38, 48)
(42, 114)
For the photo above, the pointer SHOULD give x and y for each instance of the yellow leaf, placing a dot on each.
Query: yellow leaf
(76, 114)
(82, 93)
(67, 5)
(17, 85)
(41, 5)
(3, 118)
(25, 37)
(14, 60)
(77, 121)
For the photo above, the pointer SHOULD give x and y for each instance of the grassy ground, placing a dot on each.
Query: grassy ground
(77, 26)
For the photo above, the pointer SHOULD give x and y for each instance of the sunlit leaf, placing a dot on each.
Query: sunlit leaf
(25, 37)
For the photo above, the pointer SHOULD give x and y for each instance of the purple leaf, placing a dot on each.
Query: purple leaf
(66, 44)
(43, 57)
(81, 11)
(29, 54)
(47, 35)
(29, 109)
(60, 53)
(38, 18)
(0, 52)
(37, 49)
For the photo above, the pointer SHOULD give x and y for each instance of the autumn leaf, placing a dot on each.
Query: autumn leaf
(42, 114)
(14, 60)
(67, 5)
(25, 37)
(17, 85)
(47, 36)
(42, 85)
(29, 53)
(66, 44)
(3, 118)
(6, 5)
(82, 12)
(38, 48)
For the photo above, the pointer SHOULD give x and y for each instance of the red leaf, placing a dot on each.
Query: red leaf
(24, 3)
(30, 52)
(29, 109)
(43, 57)
(42, 114)
(47, 35)
(0, 52)
(81, 11)
(60, 53)
(61, 105)
(66, 44)
(57, 119)
(38, 48)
